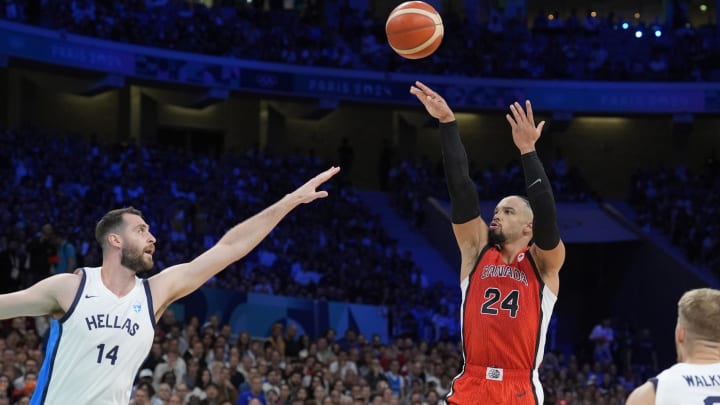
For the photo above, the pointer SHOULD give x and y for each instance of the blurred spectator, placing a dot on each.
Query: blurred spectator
(346, 155)
(292, 343)
(67, 260)
(162, 395)
(644, 356)
(255, 392)
(141, 397)
(275, 340)
(14, 265)
(43, 255)
(602, 336)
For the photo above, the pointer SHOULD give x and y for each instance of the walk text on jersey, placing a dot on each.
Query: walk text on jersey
(702, 380)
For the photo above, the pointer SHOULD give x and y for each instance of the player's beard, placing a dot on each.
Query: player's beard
(134, 260)
(496, 238)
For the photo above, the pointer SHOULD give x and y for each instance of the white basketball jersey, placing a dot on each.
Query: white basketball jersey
(95, 350)
(690, 384)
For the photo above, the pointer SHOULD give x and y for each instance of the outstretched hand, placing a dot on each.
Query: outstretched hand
(434, 104)
(524, 131)
(308, 191)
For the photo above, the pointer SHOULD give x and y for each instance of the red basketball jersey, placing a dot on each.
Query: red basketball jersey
(506, 310)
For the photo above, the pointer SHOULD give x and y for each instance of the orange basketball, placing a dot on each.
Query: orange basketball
(414, 29)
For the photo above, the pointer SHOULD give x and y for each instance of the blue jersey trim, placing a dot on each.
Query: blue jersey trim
(43, 381)
(78, 294)
(151, 309)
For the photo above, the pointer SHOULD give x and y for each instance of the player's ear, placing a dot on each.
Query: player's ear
(679, 333)
(114, 239)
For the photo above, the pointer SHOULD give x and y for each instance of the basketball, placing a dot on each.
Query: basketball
(414, 29)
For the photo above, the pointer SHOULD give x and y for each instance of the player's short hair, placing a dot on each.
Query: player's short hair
(111, 221)
(523, 199)
(699, 313)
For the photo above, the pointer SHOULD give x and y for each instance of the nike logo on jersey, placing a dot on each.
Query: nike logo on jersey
(538, 181)
(90, 296)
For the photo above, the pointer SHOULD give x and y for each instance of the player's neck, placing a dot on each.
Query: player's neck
(117, 278)
(702, 355)
(509, 250)
(702, 360)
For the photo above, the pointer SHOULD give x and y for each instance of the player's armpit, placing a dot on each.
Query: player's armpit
(471, 236)
(549, 261)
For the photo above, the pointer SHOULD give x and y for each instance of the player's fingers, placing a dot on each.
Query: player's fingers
(516, 113)
(422, 86)
(415, 90)
(326, 175)
(331, 171)
(418, 94)
(540, 126)
(427, 90)
(529, 111)
(510, 120)
(521, 112)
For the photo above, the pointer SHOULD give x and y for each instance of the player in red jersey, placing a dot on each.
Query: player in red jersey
(509, 274)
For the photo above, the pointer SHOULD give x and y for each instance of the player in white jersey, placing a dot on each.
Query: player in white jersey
(695, 379)
(103, 336)
(104, 318)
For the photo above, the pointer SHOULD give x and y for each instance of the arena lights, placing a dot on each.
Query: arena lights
(658, 33)
(703, 7)
(625, 25)
(638, 34)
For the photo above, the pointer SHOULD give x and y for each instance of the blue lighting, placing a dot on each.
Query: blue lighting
(625, 25)
(638, 34)
(658, 33)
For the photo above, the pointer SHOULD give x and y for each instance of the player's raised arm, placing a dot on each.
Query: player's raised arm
(180, 280)
(548, 249)
(470, 230)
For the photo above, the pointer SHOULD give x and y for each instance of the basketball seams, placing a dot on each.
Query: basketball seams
(413, 29)
(435, 17)
(437, 34)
